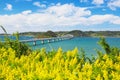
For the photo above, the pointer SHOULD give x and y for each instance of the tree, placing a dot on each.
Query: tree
(50, 34)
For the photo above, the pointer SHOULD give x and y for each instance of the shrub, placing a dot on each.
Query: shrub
(58, 65)
(20, 48)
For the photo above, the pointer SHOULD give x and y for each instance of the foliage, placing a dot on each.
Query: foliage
(113, 51)
(59, 65)
(76, 33)
(50, 34)
(56, 65)
(16, 45)
(104, 45)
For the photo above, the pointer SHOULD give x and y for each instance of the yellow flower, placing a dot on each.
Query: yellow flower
(105, 74)
(98, 77)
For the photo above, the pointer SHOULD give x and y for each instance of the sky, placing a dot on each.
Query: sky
(59, 15)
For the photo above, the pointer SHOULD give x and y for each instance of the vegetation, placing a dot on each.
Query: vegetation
(20, 48)
(58, 65)
(16, 63)
(103, 33)
(76, 33)
(47, 34)
(50, 34)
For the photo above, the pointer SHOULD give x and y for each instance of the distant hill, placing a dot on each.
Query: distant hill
(75, 33)
(50, 34)
(40, 34)
(103, 33)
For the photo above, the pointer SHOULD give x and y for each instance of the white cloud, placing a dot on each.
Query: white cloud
(8, 7)
(100, 19)
(58, 17)
(26, 12)
(38, 4)
(98, 2)
(67, 10)
(116, 20)
(114, 4)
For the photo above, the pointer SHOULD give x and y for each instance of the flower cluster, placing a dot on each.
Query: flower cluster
(57, 66)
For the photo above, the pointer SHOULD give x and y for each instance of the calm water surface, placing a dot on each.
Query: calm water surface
(88, 44)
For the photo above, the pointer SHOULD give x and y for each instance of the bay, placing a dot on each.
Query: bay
(88, 44)
(2, 37)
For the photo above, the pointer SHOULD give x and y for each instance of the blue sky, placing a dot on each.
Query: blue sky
(59, 15)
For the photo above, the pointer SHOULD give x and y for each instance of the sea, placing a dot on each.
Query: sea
(87, 44)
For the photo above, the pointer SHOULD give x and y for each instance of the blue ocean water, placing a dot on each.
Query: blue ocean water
(2, 37)
(88, 44)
